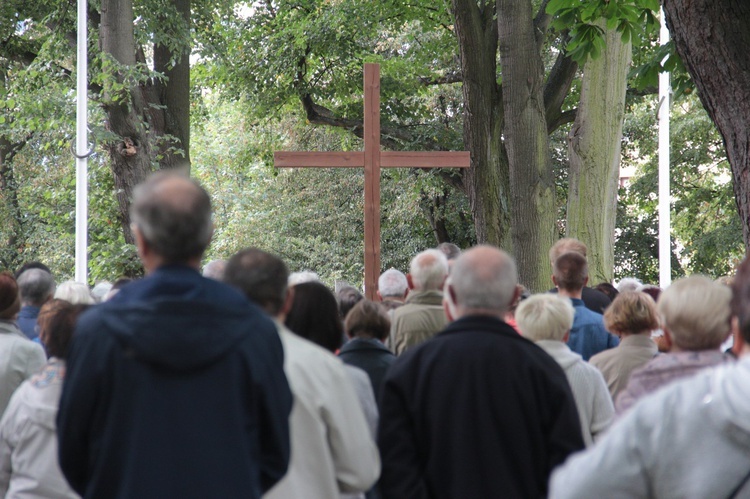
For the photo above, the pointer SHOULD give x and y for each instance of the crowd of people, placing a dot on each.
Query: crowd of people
(248, 380)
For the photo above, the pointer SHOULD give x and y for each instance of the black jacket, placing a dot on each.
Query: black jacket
(476, 412)
(371, 356)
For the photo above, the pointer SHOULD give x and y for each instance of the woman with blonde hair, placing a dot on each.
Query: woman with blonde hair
(632, 316)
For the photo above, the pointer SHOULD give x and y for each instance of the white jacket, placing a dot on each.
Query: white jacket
(690, 439)
(593, 401)
(332, 448)
(28, 442)
(19, 359)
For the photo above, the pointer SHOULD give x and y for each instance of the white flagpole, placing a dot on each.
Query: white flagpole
(81, 262)
(665, 249)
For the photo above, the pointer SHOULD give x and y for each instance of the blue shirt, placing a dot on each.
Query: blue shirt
(27, 320)
(588, 336)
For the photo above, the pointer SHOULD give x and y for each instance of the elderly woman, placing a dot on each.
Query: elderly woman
(28, 443)
(368, 325)
(632, 317)
(695, 316)
(546, 319)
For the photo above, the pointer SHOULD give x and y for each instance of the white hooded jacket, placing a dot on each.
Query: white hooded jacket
(690, 439)
(593, 401)
(28, 442)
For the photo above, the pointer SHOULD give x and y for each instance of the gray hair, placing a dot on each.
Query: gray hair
(302, 277)
(545, 316)
(696, 312)
(392, 282)
(628, 284)
(173, 214)
(261, 276)
(215, 269)
(484, 278)
(36, 286)
(428, 270)
(74, 292)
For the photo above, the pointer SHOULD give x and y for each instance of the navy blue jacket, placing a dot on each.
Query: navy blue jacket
(477, 412)
(174, 389)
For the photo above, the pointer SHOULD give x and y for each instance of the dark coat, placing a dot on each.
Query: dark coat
(174, 389)
(476, 412)
(595, 300)
(371, 356)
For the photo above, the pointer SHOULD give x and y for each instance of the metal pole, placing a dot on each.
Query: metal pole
(82, 187)
(665, 249)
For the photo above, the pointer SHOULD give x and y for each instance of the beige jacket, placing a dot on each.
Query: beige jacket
(333, 450)
(616, 364)
(19, 359)
(417, 321)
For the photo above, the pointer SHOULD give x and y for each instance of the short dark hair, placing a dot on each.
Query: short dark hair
(36, 286)
(315, 315)
(30, 265)
(348, 296)
(609, 290)
(261, 276)
(173, 215)
(570, 271)
(57, 320)
(368, 319)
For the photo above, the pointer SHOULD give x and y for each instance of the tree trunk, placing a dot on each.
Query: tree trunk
(486, 182)
(711, 37)
(174, 95)
(594, 149)
(131, 156)
(153, 121)
(531, 179)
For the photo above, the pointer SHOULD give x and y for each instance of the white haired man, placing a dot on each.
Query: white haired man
(392, 289)
(478, 410)
(175, 387)
(690, 439)
(422, 315)
(546, 320)
(695, 314)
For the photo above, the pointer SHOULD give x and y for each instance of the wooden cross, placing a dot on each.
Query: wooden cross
(372, 159)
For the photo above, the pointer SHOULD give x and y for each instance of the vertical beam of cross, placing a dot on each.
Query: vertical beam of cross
(372, 159)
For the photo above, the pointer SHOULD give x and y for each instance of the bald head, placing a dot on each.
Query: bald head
(428, 270)
(483, 280)
(172, 213)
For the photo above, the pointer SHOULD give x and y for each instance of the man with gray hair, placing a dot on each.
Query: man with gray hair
(36, 287)
(478, 410)
(392, 288)
(175, 387)
(422, 315)
(215, 269)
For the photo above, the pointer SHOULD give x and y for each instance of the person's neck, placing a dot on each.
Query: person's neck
(570, 293)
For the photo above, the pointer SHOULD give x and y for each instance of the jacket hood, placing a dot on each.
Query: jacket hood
(559, 351)
(178, 334)
(730, 397)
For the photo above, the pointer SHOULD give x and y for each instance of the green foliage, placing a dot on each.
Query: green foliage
(583, 20)
(706, 231)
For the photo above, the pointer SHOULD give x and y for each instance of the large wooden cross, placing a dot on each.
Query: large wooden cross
(372, 159)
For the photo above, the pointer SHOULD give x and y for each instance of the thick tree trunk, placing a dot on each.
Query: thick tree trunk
(712, 37)
(174, 94)
(131, 156)
(525, 132)
(594, 149)
(153, 121)
(486, 182)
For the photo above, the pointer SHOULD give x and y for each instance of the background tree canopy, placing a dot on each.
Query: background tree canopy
(288, 75)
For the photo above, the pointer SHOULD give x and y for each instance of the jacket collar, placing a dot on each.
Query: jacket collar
(425, 297)
(364, 344)
(484, 323)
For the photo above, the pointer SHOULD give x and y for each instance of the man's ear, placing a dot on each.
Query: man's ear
(739, 341)
(554, 281)
(140, 242)
(668, 341)
(409, 281)
(449, 303)
(380, 297)
(585, 281)
(288, 301)
(566, 337)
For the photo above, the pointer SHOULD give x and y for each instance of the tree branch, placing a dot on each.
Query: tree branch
(451, 77)
(557, 87)
(562, 119)
(542, 21)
